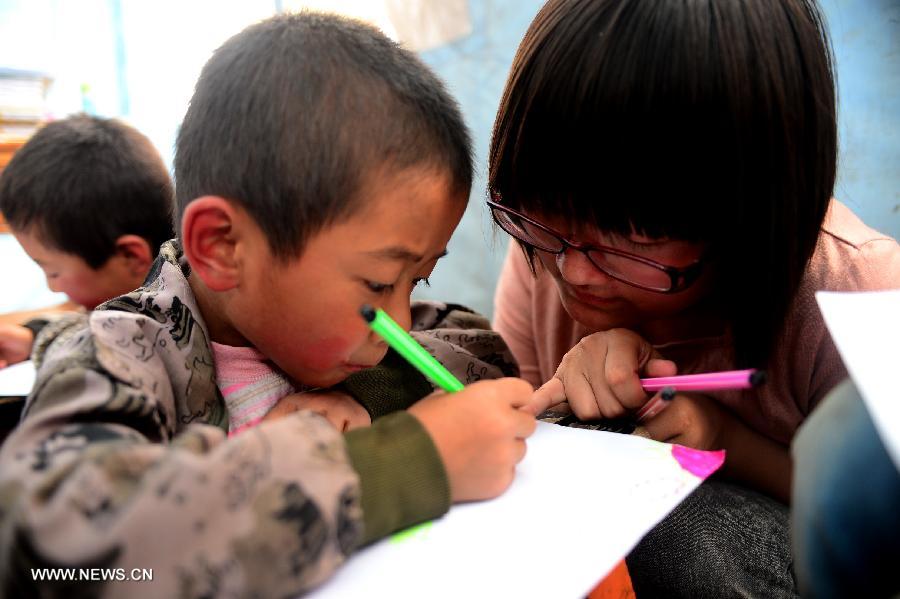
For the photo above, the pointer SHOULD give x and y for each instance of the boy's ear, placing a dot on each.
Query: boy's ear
(137, 254)
(209, 241)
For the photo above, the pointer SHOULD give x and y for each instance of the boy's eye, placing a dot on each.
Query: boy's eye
(378, 287)
(382, 288)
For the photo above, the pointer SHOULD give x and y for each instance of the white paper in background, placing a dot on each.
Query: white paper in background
(865, 327)
(25, 286)
(580, 501)
(17, 380)
(418, 25)
(426, 24)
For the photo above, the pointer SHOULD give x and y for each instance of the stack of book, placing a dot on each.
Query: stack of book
(23, 105)
(23, 108)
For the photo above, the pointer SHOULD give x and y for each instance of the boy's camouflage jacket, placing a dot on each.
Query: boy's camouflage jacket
(121, 459)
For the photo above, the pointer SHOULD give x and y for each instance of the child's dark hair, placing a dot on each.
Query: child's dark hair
(291, 117)
(707, 121)
(82, 182)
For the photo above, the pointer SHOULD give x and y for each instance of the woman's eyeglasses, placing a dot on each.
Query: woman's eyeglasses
(623, 266)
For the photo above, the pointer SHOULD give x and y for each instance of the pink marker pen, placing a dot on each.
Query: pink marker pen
(656, 404)
(710, 381)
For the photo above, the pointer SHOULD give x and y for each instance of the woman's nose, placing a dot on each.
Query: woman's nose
(575, 267)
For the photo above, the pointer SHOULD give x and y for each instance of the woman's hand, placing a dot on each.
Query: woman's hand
(702, 423)
(693, 421)
(600, 376)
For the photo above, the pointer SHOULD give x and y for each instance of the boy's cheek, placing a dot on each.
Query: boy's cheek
(325, 354)
(81, 298)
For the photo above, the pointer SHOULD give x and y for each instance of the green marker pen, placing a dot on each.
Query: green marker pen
(410, 349)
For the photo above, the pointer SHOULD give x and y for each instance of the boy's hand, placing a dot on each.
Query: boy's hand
(480, 434)
(15, 344)
(341, 410)
(600, 376)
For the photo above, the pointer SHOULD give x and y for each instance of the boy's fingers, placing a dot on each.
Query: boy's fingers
(546, 396)
(523, 391)
(525, 424)
(521, 449)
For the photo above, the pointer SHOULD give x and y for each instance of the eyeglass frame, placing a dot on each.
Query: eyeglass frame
(680, 278)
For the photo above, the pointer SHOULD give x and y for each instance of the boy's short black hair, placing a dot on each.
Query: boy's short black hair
(291, 116)
(707, 121)
(83, 182)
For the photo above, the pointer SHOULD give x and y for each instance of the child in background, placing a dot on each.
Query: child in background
(319, 167)
(89, 200)
(667, 168)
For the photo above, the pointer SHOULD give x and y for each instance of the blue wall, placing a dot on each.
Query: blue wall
(866, 39)
(475, 70)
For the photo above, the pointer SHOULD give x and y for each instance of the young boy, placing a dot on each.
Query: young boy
(89, 200)
(319, 167)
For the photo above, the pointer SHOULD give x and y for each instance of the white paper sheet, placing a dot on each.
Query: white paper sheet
(581, 500)
(17, 380)
(865, 327)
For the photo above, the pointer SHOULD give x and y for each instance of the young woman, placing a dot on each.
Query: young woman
(666, 169)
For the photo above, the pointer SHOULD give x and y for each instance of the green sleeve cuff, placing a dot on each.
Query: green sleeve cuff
(401, 474)
(391, 386)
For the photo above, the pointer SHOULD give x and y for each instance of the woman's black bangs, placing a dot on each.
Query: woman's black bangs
(637, 135)
(615, 166)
